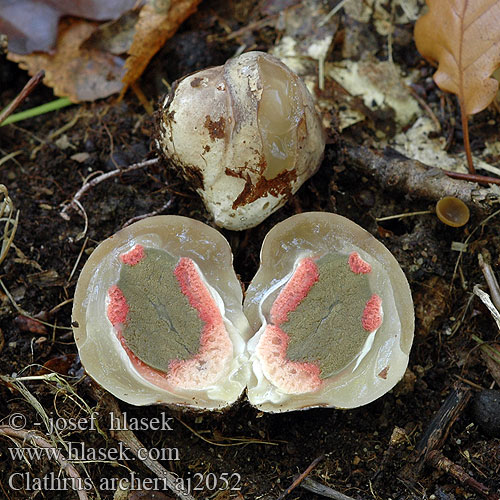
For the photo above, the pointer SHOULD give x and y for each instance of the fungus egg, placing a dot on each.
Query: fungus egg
(159, 316)
(245, 135)
(333, 316)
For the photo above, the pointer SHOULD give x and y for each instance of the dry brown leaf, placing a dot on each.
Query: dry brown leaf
(463, 37)
(158, 21)
(31, 25)
(79, 74)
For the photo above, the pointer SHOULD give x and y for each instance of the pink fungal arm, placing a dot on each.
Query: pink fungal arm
(358, 265)
(291, 376)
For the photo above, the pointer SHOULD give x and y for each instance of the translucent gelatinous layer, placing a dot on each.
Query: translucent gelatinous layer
(357, 328)
(121, 342)
(327, 319)
(279, 112)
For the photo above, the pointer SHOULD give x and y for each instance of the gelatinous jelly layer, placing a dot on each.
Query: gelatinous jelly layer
(280, 110)
(159, 317)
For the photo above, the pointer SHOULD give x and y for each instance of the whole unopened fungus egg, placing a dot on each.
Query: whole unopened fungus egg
(245, 135)
(326, 321)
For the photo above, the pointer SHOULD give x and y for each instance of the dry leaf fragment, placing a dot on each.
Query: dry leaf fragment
(463, 37)
(158, 21)
(79, 74)
(31, 25)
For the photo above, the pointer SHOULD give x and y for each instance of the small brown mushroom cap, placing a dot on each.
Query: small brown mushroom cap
(452, 211)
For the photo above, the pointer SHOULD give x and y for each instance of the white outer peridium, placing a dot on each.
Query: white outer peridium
(232, 92)
(100, 350)
(359, 383)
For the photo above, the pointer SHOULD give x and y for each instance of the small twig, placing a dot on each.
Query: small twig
(301, 477)
(465, 130)
(469, 382)
(400, 216)
(97, 180)
(398, 437)
(10, 222)
(129, 439)
(482, 179)
(490, 278)
(425, 106)
(437, 431)
(21, 311)
(39, 441)
(77, 260)
(486, 300)
(25, 92)
(333, 12)
(150, 214)
(256, 25)
(394, 171)
(440, 462)
(322, 490)
(239, 441)
(481, 225)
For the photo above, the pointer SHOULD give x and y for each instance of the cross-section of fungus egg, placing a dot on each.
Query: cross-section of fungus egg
(158, 315)
(333, 314)
(245, 135)
(327, 320)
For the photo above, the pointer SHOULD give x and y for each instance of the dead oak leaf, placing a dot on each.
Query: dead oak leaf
(158, 21)
(73, 72)
(463, 37)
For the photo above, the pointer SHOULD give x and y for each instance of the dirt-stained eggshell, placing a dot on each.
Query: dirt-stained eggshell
(245, 135)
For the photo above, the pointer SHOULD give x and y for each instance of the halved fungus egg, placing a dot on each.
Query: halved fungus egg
(327, 319)
(158, 315)
(333, 316)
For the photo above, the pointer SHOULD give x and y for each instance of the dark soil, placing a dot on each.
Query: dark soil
(38, 273)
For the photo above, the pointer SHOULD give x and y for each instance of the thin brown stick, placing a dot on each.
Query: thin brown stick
(490, 277)
(31, 437)
(301, 477)
(322, 490)
(465, 130)
(129, 439)
(437, 431)
(425, 106)
(150, 214)
(482, 179)
(394, 171)
(25, 92)
(440, 462)
(103, 177)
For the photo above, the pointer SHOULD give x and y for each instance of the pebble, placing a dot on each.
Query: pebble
(486, 411)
